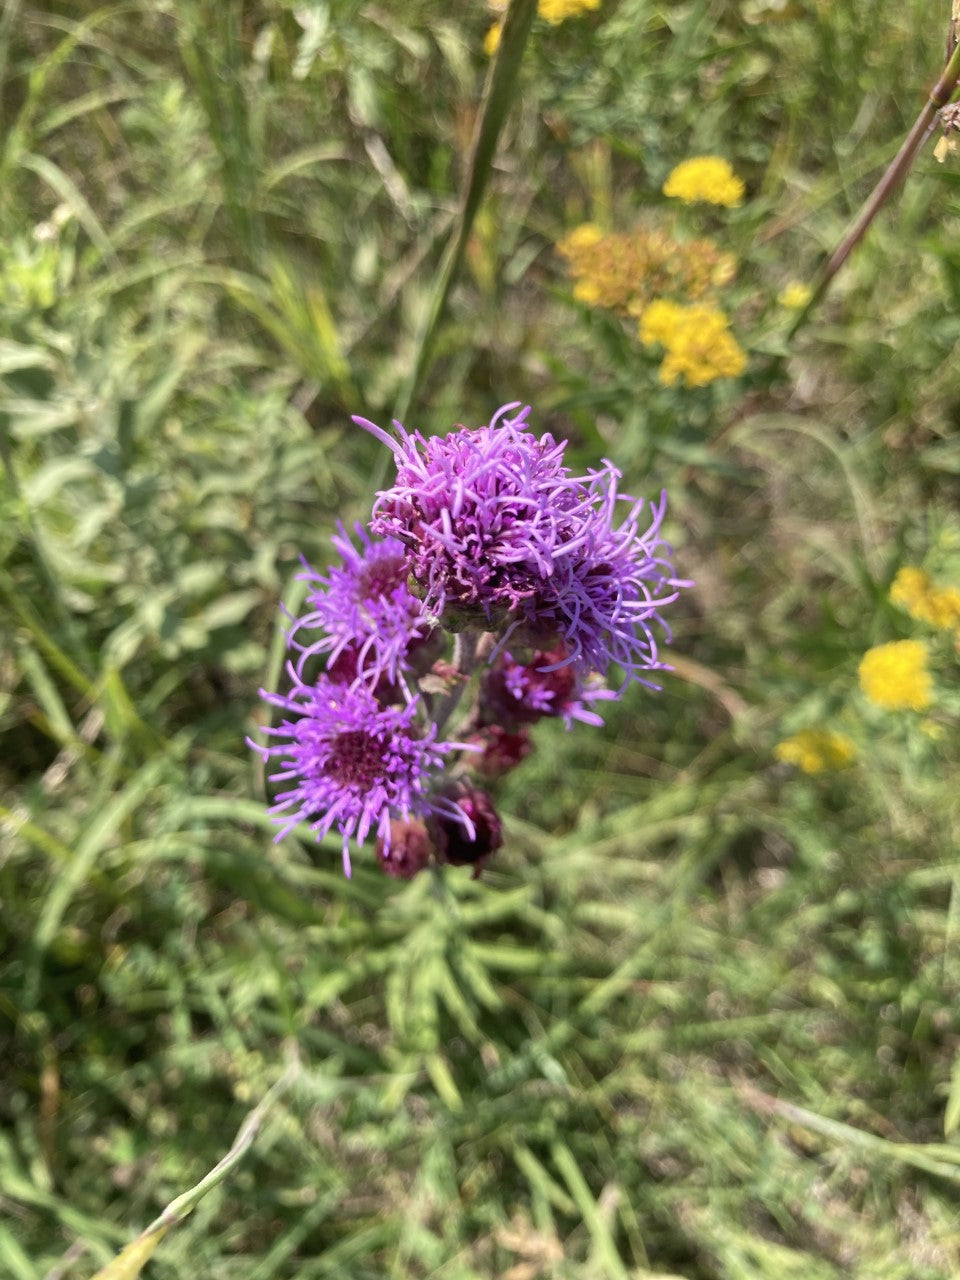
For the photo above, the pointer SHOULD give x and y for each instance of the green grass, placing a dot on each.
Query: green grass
(699, 1017)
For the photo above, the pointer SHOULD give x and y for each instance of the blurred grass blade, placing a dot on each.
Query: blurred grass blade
(211, 44)
(8, 17)
(498, 97)
(128, 1264)
(604, 1248)
(95, 836)
(70, 194)
(928, 1157)
(294, 310)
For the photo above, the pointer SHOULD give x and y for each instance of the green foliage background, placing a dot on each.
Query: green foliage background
(700, 1017)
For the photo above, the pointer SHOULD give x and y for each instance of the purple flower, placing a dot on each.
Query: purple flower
(351, 764)
(606, 601)
(498, 531)
(364, 613)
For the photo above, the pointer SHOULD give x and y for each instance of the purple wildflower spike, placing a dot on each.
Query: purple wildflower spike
(352, 764)
(363, 613)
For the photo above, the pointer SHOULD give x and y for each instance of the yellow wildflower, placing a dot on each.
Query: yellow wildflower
(660, 321)
(816, 750)
(706, 178)
(795, 295)
(580, 238)
(589, 292)
(553, 11)
(624, 270)
(700, 347)
(913, 591)
(557, 11)
(491, 41)
(895, 676)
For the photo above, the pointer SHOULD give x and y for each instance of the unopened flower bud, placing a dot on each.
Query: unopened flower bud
(518, 693)
(454, 842)
(501, 750)
(410, 850)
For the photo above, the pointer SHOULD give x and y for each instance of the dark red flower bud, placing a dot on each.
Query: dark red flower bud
(517, 693)
(502, 750)
(453, 840)
(410, 849)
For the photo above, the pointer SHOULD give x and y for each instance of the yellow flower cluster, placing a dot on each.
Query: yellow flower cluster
(895, 676)
(914, 591)
(552, 11)
(699, 345)
(816, 750)
(624, 270)
(709, 179)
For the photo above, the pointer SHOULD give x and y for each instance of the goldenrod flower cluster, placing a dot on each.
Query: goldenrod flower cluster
(624, 270)
(895, 676)
(707, 179)
(914, 591)
(816, 750)
(699, 345)
(552, 11)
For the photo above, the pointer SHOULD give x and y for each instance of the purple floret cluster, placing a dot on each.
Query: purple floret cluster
(492, 588)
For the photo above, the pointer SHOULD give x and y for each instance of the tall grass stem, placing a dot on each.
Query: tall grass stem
(498, 97)
(896, 172)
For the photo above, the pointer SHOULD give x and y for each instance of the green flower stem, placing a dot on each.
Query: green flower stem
(464, 661)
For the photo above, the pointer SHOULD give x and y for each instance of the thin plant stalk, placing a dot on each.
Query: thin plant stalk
(130, 1262)
(896, 172)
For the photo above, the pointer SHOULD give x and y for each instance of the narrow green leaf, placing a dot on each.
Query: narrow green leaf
(604, 1247)
(498, 97)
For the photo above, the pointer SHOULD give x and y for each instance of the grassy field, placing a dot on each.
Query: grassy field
(699, 1018)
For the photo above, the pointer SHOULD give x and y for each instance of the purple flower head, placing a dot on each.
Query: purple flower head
(351, 764)
(496, 528)
(517, 693)
(365, 616)
(481, 513)
(606, 601)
